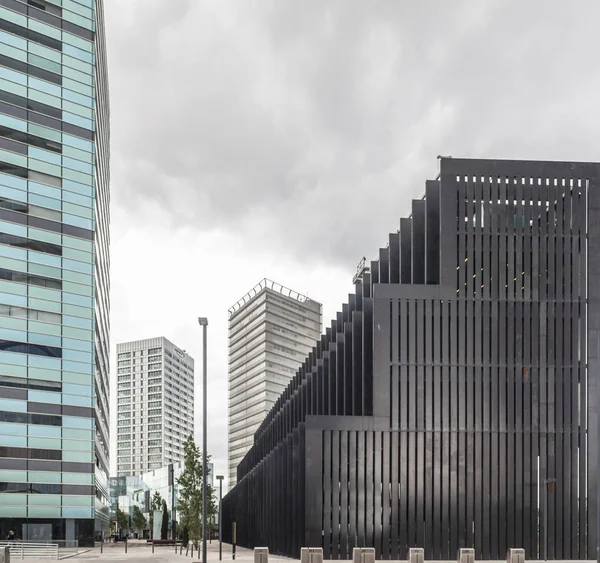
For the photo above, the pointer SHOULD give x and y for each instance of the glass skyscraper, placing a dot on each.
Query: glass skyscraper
(54, 266)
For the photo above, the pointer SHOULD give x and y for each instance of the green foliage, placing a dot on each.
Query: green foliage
(122, 519)
(157, 501)
(164, 528)
(189, 504)
(138, 520)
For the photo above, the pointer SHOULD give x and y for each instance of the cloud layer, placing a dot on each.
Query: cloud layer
(285, 139)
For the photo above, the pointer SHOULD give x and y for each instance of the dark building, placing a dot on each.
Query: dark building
(453, 402)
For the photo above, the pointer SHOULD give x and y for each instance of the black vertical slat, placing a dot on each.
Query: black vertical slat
(374, 461)
(428, 539)
(327, 490)
(433, 233)
(335, 494)
(344, 479)
(404, 492)
(418, 242)
(385, 495)
(395, 491)
(412, 489)
(360, 488)
(352, 491)
(405, 251)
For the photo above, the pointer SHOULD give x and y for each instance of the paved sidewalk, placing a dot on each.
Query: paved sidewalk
(139, 551)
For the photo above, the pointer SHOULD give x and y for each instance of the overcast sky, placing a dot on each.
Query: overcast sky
(285, 139)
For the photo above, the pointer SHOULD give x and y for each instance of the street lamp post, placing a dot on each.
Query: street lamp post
(203, 321)
(220, 478)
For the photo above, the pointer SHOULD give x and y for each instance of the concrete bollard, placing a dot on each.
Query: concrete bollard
(363, 555)
(416, 555)
(5, 554)
(261, 555)
(466, 555)
(515, 555)
(311, 555)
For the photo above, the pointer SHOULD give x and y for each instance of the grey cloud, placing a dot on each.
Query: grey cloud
(309, 126)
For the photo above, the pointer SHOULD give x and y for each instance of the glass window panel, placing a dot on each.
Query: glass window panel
(77, 64)
(18, 335)
(13, 17)
(78, 199)
(45, 511)
(10, 358)
(78, 210)
(46, 259)
(44, 63)
(13, 405)
(13, 40)
(78, 76)
(44, 397)
(44, 29)
(13, 429)
(44, 51)
(45, 132)
(47, 191)
(75, 86)
(77, 266)
(77, 435)
(40, 431)
(44, 271)
(81, 500)
(13, 287)
(45, 339)
(77, 378)
(73, 512)
(86, 446)
(15, 441)
(45, 98)
(78, 389)
(10, 322)
(45, 328)
(44, 305)
(44, 293)
(13, 158)
(71, 332)
(80, 457)
(78, 300)
(9, 86)
(44, 443)
(46, 156)
(78, 165)
(72, 152)
(77, 42)
(13, 229)
(80, 122)
(77, 322)
(44, 477)
(13, 76)
(84, 312)
(45, 374)
(10, 252)
(43, 86)
(11, 299)
(13, 52)
(12, 476)
(46, 168)
(78, 367)
(78, 222)
(44, 500)
(13, 181)
(17, 371)
(77, 422)
(44, 362)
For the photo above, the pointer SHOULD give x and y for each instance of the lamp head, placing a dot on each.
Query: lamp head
(220, 477)
(202, 321)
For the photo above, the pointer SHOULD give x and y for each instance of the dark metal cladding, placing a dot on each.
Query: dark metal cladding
(454, 400)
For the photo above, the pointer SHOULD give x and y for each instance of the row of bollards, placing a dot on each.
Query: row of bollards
(367, 555)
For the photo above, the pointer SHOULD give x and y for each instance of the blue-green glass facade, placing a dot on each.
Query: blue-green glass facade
(54, 270)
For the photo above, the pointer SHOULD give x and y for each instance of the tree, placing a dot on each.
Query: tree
(156, 504)
(157, 501)
(122, 519)
(164, 528)
(185, 536)
(138, 519)
(189, 503)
